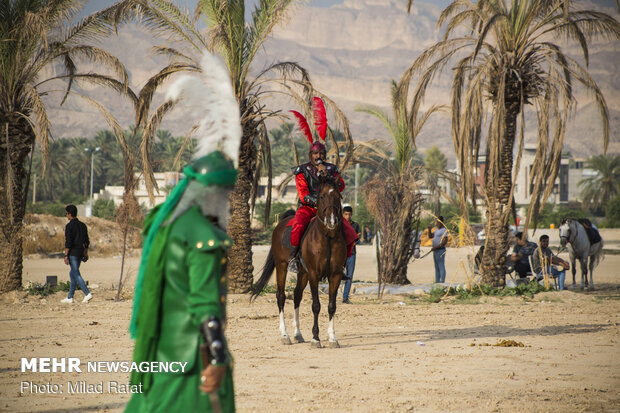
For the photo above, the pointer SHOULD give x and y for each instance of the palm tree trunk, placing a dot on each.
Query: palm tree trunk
(240, 269)
(498, 202)
(15, 144)
(394, 217)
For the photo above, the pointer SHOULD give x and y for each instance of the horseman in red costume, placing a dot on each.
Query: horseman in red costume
(307, 183)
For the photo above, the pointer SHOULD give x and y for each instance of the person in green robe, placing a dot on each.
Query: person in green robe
(182, 302)
(179, 311)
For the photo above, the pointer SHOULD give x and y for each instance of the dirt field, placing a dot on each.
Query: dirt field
(397, 354)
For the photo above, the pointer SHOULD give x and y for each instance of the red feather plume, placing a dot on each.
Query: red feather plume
(320, 118)
(303, 125)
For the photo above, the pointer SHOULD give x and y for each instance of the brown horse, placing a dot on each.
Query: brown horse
(323, 255)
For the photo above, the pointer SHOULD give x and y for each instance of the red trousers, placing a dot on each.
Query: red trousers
(302, 218)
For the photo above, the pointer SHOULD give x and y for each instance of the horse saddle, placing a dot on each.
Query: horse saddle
(286, 237)
(593, 235)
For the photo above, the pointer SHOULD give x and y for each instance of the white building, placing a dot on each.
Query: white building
(523, 189)
(165, 182)
(286, 194)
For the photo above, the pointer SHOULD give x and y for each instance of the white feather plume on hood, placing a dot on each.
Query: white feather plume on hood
(208, 100)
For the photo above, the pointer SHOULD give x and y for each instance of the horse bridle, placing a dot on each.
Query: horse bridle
(564, 237)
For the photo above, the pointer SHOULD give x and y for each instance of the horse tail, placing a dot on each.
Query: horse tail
(599, 256)
(267, 270)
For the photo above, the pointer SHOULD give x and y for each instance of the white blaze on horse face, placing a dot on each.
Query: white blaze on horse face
(332, 220)
(330, 330)
(564, 233)
(282, 325)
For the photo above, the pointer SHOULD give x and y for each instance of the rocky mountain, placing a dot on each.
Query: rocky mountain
(352, 50)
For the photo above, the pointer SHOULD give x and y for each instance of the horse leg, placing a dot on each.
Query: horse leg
(316, 308)
(281, 297)
(302, 281)
(584, 273)
(334, 283)
(591, 268)
(572, 267)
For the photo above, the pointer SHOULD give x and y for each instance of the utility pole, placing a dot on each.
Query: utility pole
(92, 168)
(357, 167)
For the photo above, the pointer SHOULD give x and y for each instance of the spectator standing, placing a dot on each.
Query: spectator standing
(347, 213)
(543, 259)
(76, 251)
(367, 235)
(440, 239)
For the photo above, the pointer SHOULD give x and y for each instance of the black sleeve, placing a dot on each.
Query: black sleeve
(68, 235)
(86, 240)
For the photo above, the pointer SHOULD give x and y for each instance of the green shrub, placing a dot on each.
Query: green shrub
(612, 213)
(554, 214)
(56, 209)
(277, 208)
(527, 290)
(104, 208)
(43, 290)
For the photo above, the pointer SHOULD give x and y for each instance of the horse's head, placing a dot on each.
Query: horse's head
(329, 207)
(565, 231)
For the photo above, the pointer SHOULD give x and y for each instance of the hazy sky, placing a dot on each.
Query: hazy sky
(94, 5)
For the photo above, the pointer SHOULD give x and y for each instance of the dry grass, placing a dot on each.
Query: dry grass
(44, 234)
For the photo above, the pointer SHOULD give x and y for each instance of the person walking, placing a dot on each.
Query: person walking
(440, 239)
(347, 213)
(76, 252)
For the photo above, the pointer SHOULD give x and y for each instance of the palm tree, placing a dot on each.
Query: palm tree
(393, 195)
(436, 164)
(111, 159)
(172, 152)
(505, 57)
(238, 42)
(57, 176)
(601, 188)
(36, 35)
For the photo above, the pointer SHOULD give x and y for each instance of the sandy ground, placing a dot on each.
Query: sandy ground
(397, 354)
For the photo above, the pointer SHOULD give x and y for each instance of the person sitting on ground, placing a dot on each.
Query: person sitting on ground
(521, 253)
(542, 260)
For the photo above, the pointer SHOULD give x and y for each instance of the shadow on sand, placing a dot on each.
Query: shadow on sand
(93, 408)
(397, 337)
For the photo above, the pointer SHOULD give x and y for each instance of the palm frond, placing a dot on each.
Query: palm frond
(146, 145)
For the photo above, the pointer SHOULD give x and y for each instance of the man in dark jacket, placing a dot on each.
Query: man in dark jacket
(521, 253)
(76, 251)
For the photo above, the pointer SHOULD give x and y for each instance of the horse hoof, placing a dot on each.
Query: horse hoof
(334, 344)
(299, 339)
(286, 341)
(315, 344)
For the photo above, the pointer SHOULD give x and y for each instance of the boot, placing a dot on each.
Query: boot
(293, 261)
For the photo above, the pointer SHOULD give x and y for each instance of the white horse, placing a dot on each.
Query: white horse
(573, 236)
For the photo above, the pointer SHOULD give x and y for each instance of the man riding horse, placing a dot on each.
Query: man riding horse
(307, 183)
